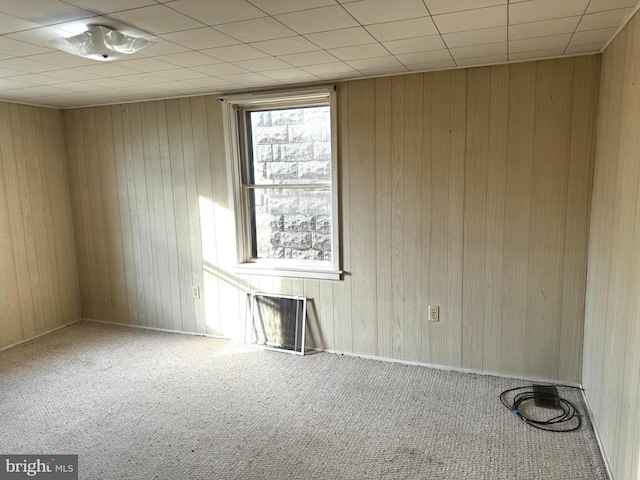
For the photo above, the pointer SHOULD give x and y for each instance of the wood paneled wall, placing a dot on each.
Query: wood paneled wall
(39, 286)
(468, 189)
(611, 372)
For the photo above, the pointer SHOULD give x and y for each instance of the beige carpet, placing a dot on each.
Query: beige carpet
(139, 404)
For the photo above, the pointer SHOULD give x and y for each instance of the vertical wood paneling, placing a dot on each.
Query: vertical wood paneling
(40, 289)
(384, 299)
(522, 94)
(551, 150)
(362, 175)
(412, 217)
(475, 212)
(454, 190)
(611, 365)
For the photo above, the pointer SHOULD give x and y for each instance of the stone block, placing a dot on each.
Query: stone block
(317, 115)
(314, 206)
(298, 223)
(268, 135)
(295, 152)
(277, 252)
(261, 119)
(309, 254)
(265, 153)
(282, 170)
(277, 205)
(299, 240)
(322, 223)
(287, 117)
(321, 241)
(304, 133)
(320, 171)
(322, 151)
(327, 256)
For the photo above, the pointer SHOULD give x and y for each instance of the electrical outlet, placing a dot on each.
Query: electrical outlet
(195, 291)
(434, 313)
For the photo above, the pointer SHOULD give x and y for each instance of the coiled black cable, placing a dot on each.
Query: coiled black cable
(567, 421)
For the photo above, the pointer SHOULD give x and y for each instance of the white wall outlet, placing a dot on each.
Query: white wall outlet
(434, 313)
(195, 291)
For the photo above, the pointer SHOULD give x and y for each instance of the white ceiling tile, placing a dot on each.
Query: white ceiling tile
(415, 27)
(112, 82)
(479, 61)
(289, 73)
(200, 38)
(378, 11)
(26, 65)
(43, 12)
(8, 84)
(71, 74)
(609, 18)
(318, 19)
(540, 43)
(472, 19)
(535, 10)
(209, 82)
(182, 74)
(220, 69)
(256, 30)
(146, 64)
(142, 78)
(424, 57)
(188, 59)
(10, 24)
(110, 6)
(416, 44)
(544, 28)
(346, 37)
(42, 90)
(359, 51)
(274, 7)
(62, 59)
(385, 71)
(436, 7)
(536, 54)
(7, 72)
(309, 58)
(243, 78)
(37, 79)
(216, 12)
(591, 48)
(157, 19)
(284, 46)
(475, 37)
(262, 64)
(234, 53)
(329, 68)
(15, 48)
(602, 5)
(108, 70)
(79, 86)
(160, 46)
(490, 49)
(593, 36)
(376, 63)
(439, 65)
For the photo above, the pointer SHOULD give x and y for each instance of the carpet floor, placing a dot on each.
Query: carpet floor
(136, 404)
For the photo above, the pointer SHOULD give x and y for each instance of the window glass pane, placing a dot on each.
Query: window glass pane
(291, 146)
(292, 223)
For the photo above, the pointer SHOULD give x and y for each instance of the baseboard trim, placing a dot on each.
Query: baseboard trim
(368, 357)
(40, 335)
(595, 430)
(156, 329)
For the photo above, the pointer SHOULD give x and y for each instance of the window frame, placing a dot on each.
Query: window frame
(237, 142)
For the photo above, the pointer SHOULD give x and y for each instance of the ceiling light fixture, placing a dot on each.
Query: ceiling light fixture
(101, 43)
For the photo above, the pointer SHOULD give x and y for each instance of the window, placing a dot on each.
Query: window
(282, 149)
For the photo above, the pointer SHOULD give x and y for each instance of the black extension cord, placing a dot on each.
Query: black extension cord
(567, 421)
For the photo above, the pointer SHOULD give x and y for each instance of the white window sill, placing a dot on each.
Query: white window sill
(276, 271)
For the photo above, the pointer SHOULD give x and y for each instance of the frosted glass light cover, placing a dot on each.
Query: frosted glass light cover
(101, 43)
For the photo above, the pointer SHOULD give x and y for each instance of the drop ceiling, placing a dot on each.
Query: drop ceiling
(213, 46)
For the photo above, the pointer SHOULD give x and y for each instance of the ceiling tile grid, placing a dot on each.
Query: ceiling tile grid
(217, 46)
